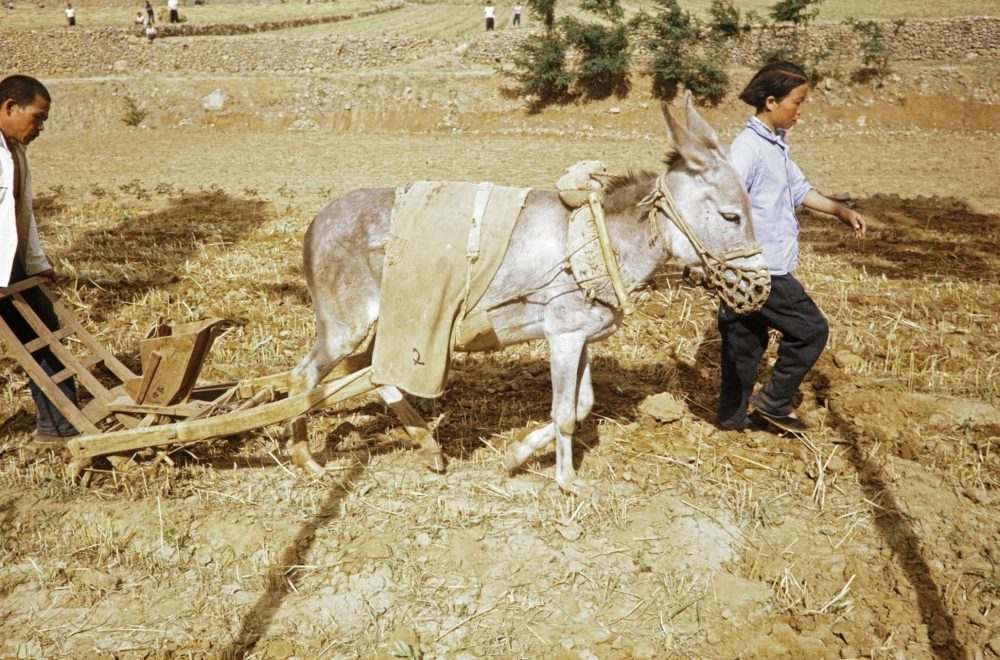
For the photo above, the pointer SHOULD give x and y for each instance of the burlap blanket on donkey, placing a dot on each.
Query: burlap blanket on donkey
(446, 241)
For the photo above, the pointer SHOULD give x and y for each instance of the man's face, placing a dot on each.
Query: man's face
(23, 124)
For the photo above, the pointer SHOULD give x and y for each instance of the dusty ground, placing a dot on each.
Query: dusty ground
(877, 535)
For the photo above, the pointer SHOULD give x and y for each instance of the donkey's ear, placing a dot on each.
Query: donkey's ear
(690, 147)
(699, 126)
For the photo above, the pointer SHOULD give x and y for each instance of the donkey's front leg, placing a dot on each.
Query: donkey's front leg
(569, 367)
(521, 449)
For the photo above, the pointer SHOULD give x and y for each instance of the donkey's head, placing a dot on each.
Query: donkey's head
(704, 211)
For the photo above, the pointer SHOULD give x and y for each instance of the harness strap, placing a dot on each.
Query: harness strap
(472, 243)
(478, 211)
(607, 251)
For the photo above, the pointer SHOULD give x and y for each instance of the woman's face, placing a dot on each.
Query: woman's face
(784, 112)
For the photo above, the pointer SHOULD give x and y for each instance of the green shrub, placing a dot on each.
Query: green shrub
(677, 58)
(134, 113)
(544, 9)
(793, 43)
(610, 10)
(797, 12)
(541, 68)
(725, 18)
(752, 18)
(604, 58)
(541, 72)
(874, 43)
(706, 81)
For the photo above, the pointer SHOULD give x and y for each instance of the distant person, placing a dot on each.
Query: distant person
(174, 16)
(517, 15)
(151, 32)
(24, 109)
(149, 12)
(489, 12)
(9, 4)
(70, 14)
(776, 186)
(140, 18)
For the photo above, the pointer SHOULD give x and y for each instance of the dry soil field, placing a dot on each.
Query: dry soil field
(876, 535)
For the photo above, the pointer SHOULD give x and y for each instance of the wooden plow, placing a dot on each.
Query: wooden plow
(122, 412)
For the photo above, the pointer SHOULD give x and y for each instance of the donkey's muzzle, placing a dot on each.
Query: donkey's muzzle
(743, 289)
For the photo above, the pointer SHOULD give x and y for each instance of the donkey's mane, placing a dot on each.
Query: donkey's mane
(626, 190)
(673, 160)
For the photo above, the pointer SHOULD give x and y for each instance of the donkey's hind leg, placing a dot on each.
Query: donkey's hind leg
(415, 426)
(310, 372)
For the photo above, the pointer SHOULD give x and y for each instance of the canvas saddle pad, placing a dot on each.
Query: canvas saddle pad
(446, 241)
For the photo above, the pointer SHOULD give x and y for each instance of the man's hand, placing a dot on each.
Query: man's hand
(49, 274)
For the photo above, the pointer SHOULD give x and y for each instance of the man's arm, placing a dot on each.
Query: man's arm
(35, 262)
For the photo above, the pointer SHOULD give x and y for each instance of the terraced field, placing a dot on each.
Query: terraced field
(446, 21)
(455, 23)
(99, 14)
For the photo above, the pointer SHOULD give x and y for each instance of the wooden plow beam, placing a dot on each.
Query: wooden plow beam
(115, 420)
(231, 423)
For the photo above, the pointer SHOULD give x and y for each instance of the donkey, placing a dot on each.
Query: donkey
(533, 296)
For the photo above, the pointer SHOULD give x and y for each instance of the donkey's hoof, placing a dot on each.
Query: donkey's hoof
(434, 460)
(573, 486)
(301, 456)
(512, 458)
(583, 490)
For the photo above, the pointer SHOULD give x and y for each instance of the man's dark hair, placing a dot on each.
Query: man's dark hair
(23, 90)
(776, 79)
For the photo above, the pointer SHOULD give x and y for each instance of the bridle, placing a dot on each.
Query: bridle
(745, 289)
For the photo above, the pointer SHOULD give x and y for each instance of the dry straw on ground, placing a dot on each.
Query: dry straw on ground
(875, 535)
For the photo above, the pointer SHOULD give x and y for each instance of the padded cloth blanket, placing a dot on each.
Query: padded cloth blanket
(446, 241)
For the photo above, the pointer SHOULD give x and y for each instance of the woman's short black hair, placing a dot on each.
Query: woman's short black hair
(776, 79)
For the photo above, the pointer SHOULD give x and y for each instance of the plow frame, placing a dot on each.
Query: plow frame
(112, 421)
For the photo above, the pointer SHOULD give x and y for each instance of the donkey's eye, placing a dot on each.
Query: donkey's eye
(731, 217)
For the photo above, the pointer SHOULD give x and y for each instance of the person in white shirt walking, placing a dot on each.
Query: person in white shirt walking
(490, 12)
